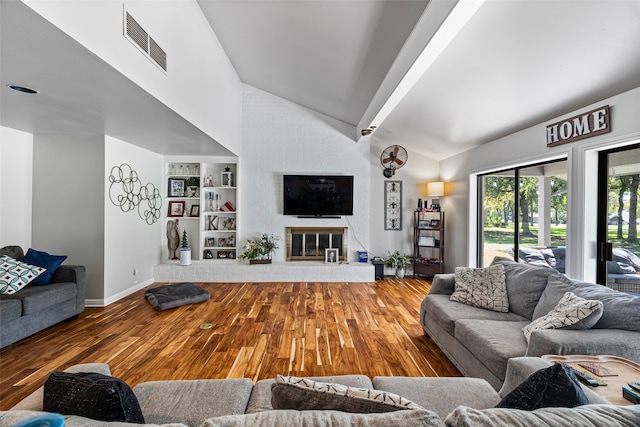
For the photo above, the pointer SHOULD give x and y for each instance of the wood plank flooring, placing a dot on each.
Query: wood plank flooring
(258, 330)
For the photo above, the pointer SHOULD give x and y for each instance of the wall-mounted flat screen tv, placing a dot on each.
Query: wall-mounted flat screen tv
(318, 195)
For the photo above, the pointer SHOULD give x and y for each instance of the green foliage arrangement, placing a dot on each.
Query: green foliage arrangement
(397, 260)
(185, 241)
(261, 247)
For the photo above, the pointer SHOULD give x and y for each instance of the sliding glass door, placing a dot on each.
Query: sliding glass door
(618, 217)
(522, 211)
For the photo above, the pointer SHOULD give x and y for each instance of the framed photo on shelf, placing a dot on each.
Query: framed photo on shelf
(222, 242)
(195, 210)
(423, 223)
(177, 187)
(330, 255)
(426, 241)
(435, 223)
(210, 241)
(176, 208)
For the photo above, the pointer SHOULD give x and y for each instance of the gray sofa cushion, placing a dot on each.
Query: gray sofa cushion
(37, 298)
(620, 310)
(493, 342)
(448, 312)
(525, 284)
(588, 415)
(171, 401)
(260, 399)
(291, 418)
(9, 418)
(10, 309)
(441, 395)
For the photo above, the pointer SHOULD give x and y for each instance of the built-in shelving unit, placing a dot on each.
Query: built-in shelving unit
(206, 209)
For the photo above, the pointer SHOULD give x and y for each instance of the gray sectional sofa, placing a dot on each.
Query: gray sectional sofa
(34, 308)
(480, 342)
(463, 402)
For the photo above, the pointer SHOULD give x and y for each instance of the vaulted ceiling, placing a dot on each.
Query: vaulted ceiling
(513, 64)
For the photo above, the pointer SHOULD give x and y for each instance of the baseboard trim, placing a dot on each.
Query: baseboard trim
(110, 300)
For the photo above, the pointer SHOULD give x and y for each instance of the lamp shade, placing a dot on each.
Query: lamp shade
(435, 188)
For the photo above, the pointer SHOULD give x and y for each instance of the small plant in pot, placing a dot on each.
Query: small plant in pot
(399, 262)
(259, 250)
(185, 250)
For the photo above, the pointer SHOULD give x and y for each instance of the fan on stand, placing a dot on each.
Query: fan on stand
(392, 158)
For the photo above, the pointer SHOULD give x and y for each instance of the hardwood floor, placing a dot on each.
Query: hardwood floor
(258, 330)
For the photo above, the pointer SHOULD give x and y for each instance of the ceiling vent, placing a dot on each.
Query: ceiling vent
(140, 38)
(157, 54)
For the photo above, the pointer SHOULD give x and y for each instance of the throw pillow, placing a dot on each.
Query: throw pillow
(46, 261)
(15, 275)
(482, 287)
(91, 395)
(571, 312)
(555, 386)
(305, 394)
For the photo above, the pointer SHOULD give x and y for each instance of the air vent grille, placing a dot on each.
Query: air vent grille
(139, 37)
(137, 33)
(157, 54)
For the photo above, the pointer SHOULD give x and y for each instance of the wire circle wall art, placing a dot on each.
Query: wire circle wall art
(127, 192)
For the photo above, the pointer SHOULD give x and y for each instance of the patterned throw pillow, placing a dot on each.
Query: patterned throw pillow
(570, 312)
(305, 394)
(15, 275)
(482, 287)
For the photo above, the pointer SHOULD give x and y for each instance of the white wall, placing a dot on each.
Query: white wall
(200, 85)
(68, 202)
(528, 146)
(130, 242)
(415, 175)
(279, 138)
(16, 180)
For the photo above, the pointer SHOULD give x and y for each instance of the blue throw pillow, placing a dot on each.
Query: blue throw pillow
(44, 260)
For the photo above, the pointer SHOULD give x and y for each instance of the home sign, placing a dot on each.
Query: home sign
(585, 125)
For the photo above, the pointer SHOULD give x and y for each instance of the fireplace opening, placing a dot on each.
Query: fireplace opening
(309, 243)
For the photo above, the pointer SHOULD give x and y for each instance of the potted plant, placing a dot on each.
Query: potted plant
(185, 250)
(259, 250)
(193, 183)
(399, 262)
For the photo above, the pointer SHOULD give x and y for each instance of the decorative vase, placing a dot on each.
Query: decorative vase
(400, 273)
(185, 256)
(260, 261)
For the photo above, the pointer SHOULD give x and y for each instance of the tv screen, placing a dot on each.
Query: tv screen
(318, 195)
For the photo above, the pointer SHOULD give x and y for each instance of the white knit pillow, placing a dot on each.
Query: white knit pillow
(482, 287)
(570, 312)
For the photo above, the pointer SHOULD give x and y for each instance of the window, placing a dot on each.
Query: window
(522, 210)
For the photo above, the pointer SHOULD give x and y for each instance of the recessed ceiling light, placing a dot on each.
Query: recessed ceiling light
(23, 89)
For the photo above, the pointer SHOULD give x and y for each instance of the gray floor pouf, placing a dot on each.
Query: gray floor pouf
(175, 295)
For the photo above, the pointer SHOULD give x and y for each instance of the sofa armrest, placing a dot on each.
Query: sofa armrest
(443, 284)
(33, 402)
(69, 273)
(73, 274)
(615, 342)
